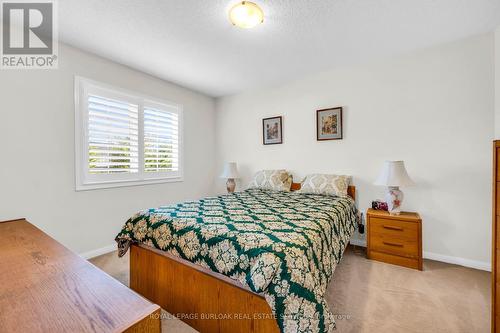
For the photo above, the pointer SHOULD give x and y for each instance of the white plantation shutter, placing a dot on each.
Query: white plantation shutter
(113, 136)
(161, 140)
(124, 139)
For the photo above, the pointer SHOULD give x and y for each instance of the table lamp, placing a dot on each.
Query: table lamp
(230, 173)
(393, 176)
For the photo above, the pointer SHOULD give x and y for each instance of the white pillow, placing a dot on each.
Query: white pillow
(325, 184)
(277, 180)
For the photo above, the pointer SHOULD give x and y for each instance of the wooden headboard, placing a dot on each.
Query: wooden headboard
(351, 190)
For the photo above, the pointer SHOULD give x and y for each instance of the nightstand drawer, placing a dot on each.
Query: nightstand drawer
(394, 228)
(394, 245)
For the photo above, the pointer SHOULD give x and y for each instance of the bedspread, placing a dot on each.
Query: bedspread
(282, 245)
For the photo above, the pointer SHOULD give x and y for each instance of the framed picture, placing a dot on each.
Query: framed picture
(329, 124)
(272, 130)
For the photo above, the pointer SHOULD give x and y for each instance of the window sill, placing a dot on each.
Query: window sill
(126, 183)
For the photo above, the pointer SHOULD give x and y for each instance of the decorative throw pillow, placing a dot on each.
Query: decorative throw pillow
(325, 184)
(277, 180)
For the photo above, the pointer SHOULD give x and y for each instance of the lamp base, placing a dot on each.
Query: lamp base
(230, 185)
(394, 198)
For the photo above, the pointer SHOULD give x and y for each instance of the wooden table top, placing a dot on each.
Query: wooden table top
(404, 216)
(44, 287)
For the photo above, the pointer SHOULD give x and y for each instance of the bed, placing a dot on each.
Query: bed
(252, 261)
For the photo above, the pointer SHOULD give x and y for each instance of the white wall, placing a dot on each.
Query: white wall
(37, 173)
(433, 108)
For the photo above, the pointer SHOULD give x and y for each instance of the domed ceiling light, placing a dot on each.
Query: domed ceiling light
(246, 15)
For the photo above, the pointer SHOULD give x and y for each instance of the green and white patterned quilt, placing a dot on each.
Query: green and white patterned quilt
(282, 245)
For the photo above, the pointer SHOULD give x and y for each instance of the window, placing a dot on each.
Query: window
(123, 138)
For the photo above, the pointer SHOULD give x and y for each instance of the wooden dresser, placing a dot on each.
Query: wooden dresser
(44, 287)
(495, 255)
(395, 239)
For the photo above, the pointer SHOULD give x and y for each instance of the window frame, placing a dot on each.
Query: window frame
(86, 181)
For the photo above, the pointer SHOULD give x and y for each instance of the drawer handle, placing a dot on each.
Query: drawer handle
(393, 244)
(390, 227)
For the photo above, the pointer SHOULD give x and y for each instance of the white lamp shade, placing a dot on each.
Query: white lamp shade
(394, 174)
(230, 171)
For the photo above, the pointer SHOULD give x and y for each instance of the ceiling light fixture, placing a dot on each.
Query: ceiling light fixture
(246, 15)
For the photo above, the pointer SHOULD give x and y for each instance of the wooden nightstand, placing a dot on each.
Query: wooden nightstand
(395, 239)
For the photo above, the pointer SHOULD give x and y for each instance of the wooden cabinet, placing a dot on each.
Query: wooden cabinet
(44, 287)
(395, 239)
(495, 253)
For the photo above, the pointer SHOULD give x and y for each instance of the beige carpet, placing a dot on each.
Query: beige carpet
(369, 296)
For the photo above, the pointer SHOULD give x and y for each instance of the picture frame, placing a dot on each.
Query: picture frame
(329, 124)
(272, 130)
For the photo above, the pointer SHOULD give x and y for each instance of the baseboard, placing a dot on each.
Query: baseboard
(98, 252)
(484, 266)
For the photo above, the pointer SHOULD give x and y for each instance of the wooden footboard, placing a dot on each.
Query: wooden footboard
(205, 300)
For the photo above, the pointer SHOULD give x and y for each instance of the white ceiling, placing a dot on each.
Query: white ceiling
(191, 42)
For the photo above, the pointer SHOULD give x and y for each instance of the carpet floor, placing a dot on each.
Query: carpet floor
(370, 296)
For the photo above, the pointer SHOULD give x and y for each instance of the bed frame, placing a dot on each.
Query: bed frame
(205, 300)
